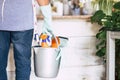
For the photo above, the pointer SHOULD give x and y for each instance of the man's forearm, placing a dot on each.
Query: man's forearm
(43, 2)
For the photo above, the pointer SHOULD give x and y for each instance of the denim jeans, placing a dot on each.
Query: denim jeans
(21, 41)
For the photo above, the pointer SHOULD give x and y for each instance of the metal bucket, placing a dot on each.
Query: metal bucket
(47, 60)
(45, 63)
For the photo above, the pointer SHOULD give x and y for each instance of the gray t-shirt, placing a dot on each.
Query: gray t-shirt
(16, 15)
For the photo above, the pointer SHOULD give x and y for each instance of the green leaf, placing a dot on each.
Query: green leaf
(115, 16)
(108, 24)
(118, 25)
(117, 5)
(118, 18)
(97, 17)
(97, 46)
(102, 35)
(101, 43)
(98, 34)
(101, 52)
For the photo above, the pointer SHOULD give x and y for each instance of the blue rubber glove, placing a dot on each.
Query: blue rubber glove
(46, 28)
(47, 25)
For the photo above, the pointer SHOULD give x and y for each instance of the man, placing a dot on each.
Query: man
(16, 27)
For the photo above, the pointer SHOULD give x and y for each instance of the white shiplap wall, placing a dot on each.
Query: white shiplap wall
(78, 57)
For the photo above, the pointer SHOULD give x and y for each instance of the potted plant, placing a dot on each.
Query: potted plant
(108, 22)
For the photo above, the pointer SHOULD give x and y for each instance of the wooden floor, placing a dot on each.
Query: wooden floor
(72, 73)
(11, 76)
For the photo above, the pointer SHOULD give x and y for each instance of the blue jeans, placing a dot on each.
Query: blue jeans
(21, 41)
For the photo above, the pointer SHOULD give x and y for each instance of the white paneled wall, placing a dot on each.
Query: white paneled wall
(72, 27)
(78, 57)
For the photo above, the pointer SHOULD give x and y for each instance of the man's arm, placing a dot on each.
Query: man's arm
(43, 2)
(45, 8)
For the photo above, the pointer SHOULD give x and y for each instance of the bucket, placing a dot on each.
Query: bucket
(45, 63)
(47, 60)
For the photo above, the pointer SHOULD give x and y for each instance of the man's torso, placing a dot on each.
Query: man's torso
(16, 15)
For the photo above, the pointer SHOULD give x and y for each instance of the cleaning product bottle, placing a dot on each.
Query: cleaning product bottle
(44, 43)
(44, 39)
(55, 42)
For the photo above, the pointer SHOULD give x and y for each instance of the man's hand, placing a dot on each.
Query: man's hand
(43, 2)
(45, 8)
